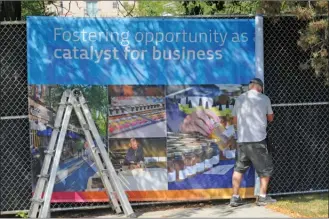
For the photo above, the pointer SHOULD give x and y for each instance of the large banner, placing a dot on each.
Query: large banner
(161, 92)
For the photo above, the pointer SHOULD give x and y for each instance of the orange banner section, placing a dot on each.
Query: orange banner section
(168, 195)
(190, 195)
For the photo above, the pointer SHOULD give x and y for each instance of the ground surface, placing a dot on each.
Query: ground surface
(218, 209)
(301, 206)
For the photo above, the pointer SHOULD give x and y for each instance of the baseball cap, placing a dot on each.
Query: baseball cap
(257, 81)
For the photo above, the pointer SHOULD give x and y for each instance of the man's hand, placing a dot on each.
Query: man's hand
(270, 117)
(199, 121)
(231, 143)
(235, 121)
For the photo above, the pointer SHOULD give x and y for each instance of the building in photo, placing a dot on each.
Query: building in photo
(91, 8)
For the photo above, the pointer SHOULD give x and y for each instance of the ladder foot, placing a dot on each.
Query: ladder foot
(133, 215)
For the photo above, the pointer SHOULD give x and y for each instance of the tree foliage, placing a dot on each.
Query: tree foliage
(314, 38)
(34, 8)
(251, 7)
(152, 8)
(219, 7)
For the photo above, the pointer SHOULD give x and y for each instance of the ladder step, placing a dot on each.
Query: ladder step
(34, 200)
(86, 127)
(44, 176)
(95, 149)
(49, 152)
(77, 104)
(105, 171)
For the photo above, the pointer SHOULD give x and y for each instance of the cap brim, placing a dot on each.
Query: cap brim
(256, 82)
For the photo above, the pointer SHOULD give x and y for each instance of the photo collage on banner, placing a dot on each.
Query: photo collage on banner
(200, 151)
(161, 93)
(137, 136)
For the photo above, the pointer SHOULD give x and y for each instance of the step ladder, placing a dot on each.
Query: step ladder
(73, 99)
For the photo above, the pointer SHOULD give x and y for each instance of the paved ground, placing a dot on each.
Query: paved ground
(211, 209)
(220, 211)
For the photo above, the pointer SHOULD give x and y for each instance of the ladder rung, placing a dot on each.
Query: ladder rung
(36, 200)
(105, 171)
(50, 152)
(85, 126)
(44, 176)
(95, 149)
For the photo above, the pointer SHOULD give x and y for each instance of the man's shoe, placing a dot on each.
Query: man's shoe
(235, 202)
(264, 201)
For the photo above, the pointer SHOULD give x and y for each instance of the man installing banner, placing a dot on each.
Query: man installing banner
(251, 112)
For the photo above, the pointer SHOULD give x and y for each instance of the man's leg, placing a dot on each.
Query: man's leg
(236, 182)
(263, 164)
(263, 185)
(264, 199)
(242, 163)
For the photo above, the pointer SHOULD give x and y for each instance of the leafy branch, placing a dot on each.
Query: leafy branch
(128, 9)
(68, 9)
(314, 38)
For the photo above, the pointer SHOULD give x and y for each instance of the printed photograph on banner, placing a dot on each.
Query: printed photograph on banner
(76, 165)
(201, 141)
(136, 111)
(141, 163)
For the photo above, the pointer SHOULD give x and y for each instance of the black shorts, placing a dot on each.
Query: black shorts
(255, 153)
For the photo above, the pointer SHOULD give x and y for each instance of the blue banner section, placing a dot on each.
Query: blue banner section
(106, 51)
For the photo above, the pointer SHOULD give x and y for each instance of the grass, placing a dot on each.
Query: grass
(303, 206)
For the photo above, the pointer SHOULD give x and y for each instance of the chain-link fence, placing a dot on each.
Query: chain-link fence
(300, 131)
(15, 156)
(300, 100)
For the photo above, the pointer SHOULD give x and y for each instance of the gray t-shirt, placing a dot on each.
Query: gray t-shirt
(251, 109)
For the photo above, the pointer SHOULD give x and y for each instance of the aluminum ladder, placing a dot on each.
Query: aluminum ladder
(73, 99)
